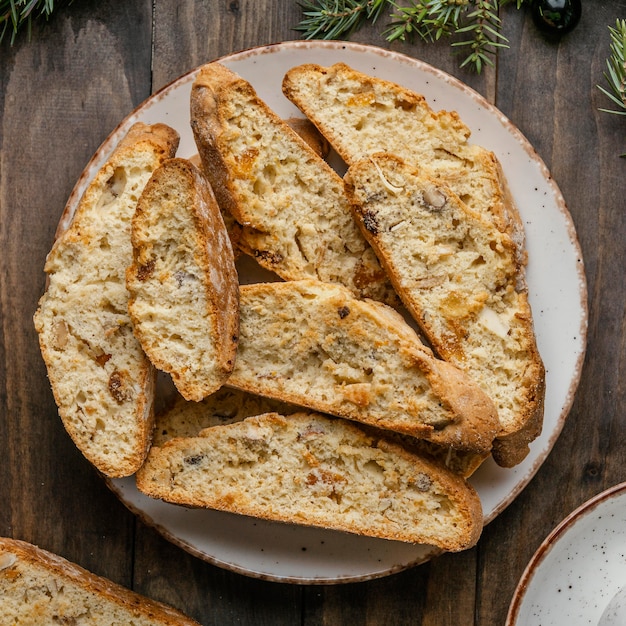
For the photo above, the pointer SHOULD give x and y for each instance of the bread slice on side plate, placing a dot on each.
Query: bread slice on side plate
(183, 285)
(101, 379)
(317, 471)
(361, 115)
(290, 202)
(458, 276)
(314, 344)
(38, 587)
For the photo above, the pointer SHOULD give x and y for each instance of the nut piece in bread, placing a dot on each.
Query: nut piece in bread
(314, 344)
(102, 381)
(318, 471)
(38, 587)
(457, 274)
(361, 115)
(182, 283)
(291, 203)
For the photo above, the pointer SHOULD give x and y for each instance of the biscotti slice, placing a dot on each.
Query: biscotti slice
(318, 471)
(361, 115)
(38, 587)
(290, 202)
(314, 344)
(225, 406)
(457, 275)
(101, 379)
(183, 285)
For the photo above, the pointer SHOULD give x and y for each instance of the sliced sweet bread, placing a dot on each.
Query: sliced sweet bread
(225, 406)
(38, 587)
(183, 418)
(314, 344)
(183, 285)
(457, 274)
(101, 379)
(361, 115)
(319, 471)
(290, 202)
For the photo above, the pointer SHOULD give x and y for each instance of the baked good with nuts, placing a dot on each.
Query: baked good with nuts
(361, 115)
(102, 381)
(183, 286)
(39, 587)
(458, 276)
(291, 204)
(316, 470)
(315, 345)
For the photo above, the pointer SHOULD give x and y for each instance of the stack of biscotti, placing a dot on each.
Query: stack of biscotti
(38, 588)
(316, 470)
(438, 212)
(102, 381)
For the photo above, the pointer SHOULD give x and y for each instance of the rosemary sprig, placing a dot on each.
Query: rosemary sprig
(616, 69)
(17, 14)
(427, 19)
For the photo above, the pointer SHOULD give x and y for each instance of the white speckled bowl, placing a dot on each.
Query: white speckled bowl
(557, 293)
(579, 567)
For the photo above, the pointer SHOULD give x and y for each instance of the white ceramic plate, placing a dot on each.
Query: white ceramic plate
(557, 294)
(579, 567)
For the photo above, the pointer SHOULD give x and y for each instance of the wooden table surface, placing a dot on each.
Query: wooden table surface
(64, 91)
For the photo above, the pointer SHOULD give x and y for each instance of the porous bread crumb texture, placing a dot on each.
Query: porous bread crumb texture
(101, 379)
(295, 216)
(225, 406)
(315, 470)
(362, 115)
(314, 344)
(183, 284)
(457, 274)
(229, 405)
(37, 588)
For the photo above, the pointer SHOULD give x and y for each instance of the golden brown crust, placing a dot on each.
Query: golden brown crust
(102, 381)
(183, 274)
(315, 470)
(41, 602)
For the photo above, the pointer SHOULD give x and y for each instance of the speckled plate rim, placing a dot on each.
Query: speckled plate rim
(551, 543)
(488, 118)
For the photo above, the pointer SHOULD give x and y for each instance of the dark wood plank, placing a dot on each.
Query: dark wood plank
(62, 93)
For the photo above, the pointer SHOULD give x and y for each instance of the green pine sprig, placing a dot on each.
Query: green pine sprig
(18, 14)
(477, 21)
(616, 69)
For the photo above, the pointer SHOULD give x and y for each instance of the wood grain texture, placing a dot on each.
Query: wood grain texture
(60, 96)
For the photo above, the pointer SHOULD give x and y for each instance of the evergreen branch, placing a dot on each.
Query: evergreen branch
(616, 69)
(18, 14)
(333, 19)
(429, 20)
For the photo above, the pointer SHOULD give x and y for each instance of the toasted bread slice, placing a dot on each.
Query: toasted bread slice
(38, 587)
(314, 344)
(361, 115)
(457, 274)
(228, 405)
(318, 471)
(290, 202)
(183, 285)
(101, 379)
